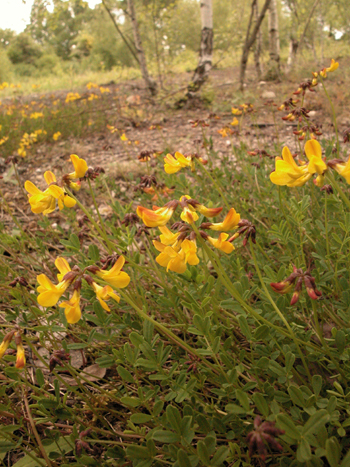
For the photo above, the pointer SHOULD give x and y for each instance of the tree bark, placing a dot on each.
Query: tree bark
(150, 83)
(201, 73)
(250, 39)
(274, 42)
(258, 44)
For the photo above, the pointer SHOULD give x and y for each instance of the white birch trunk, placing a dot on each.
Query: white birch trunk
(274, 41)
(206, 49)
(150, 83)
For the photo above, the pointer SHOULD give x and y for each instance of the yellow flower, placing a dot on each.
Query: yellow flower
(20, 357)
(80, 167)
(343, 169)
(287, 172)
(49, 292)
(45, 202)
(333, 66)
(157, 217)
(221, 243)
(167, 237)
(236, 111)
(234, 122)
(72, 308)
(124, 137)
(208, 212)
(229, 223)
(115, 276)
(174, 164)
(63, 266)
(56, 135)
(189, 215)
(105, 293)
(175, 258)
(223, 132)
(6, 342)
(313, 152)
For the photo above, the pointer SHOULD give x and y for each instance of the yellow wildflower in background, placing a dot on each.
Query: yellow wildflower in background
(176, 163)
(56, 135)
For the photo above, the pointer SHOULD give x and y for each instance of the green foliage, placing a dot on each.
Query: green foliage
(23, 50)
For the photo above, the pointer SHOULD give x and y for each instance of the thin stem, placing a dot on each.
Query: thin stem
(280, 314)
(333, 113)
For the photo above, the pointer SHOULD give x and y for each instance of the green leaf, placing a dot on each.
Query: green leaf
(94, 254)
(203, 453)
(174, 418)
(243, 399)
(304, 451)
(286, 423)
(262, 332)
(317, 384)
(166, 436)
(183, 458)
(130, 401)
(220, 455)
(140, 418)
(297, 396)
(316, 420)
(63, 444)
(40, 377)
(125, 374)
(137, 452)
(261, 404)
(346, 461)
(243, 324)
(333, 452)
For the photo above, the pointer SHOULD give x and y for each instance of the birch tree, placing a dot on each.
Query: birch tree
(274, 42)
(150, 83)
(201, 73)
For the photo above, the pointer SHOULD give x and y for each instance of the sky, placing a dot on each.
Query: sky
(15, 14)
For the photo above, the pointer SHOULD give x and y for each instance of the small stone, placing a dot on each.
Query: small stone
(312, 113)
(261, 83)
(268, 95)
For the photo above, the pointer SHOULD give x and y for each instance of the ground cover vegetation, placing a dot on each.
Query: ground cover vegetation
(174, 284)
(209, 329)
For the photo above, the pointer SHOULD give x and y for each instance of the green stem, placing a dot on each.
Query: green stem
(96, 207)
(217, 186)
(280, 314)
(177, 340)
(333, 113)
(92, 220)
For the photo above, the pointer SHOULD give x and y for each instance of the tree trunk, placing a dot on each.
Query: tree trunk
(250, 39)
(150, 83)
(258, 44)
(201, 73)
(293, 50)
(274, 42)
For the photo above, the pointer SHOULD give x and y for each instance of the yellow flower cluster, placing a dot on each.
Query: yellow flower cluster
(45, 201)
(49, 293)
(28, 140)
(180, 248)
(287, 172)
(72, 96)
